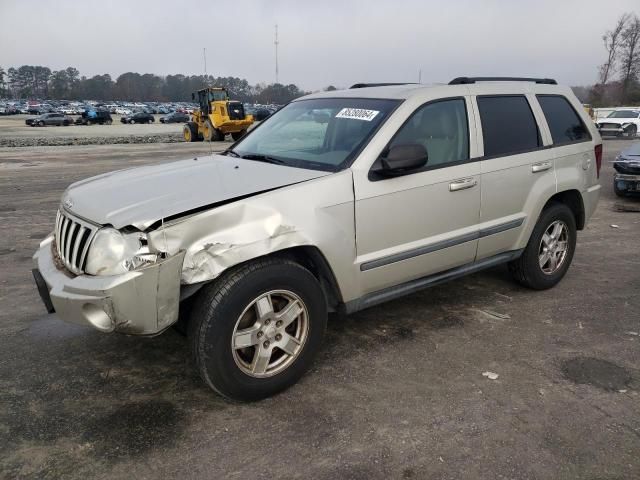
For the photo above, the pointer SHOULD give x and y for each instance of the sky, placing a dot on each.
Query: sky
(322, 42)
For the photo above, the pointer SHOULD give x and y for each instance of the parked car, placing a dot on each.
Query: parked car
(626, 180)
(140, 117)
(100, 117)
(49, 119)
(175, 117)
(625, 122)
(252, 247)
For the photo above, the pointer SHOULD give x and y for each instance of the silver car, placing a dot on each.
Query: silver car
(339, 201)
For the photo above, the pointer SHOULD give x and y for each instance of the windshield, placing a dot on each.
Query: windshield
(321, 134)
(623, 114)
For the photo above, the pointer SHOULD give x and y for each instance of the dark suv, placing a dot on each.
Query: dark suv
(175, 117)
(139, 117)
(102, 117)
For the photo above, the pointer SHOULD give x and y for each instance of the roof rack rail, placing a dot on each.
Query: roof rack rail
(365, 85)
(469, 80)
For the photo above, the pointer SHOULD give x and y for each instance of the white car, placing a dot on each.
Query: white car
(624, 122)
(123, 111)
(339, 201)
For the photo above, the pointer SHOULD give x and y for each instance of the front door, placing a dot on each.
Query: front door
(424, 222)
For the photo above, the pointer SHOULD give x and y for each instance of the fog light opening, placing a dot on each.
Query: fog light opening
(97, 317)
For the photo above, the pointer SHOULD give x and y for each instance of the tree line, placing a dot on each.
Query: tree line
(39, 82)
(619, 76)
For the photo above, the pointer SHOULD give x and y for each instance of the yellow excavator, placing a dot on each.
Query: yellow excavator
(216, 117)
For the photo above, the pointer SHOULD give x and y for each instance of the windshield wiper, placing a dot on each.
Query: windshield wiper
(263, 158)
(231, 153)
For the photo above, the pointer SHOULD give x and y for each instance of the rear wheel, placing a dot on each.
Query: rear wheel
(190, 132)
(109, 122)
(132, 121)
(208, 131)
(41, 123)
(549, 251)
(218, 135)
(150, 121)
(256, 330)
(238, 135)
(631, 131)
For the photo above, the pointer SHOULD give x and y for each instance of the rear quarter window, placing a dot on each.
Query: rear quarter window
(508, 125)
(565, 124)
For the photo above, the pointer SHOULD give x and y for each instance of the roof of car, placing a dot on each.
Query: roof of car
(405, 91)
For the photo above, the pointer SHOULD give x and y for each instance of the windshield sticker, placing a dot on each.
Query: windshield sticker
(357, 114)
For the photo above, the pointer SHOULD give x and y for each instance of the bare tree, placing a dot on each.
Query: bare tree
(630, 54)
(612, 40)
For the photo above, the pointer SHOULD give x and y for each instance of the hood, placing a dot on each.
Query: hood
(141, 196)
(617, 121)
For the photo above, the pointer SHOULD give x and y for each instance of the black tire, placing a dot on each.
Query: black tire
(109, 122)
(238, 135)
(41, 123)
(526, 270)
(150, 121)
(220, 304)
(209, 132)
(218, 136)
(65, 123)
(132, 121)
(631, 131)
(89, 122)
(190, 132)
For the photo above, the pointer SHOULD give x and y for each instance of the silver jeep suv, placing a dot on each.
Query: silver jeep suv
(338, 202)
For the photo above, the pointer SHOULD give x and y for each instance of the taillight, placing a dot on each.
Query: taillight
(598, 151)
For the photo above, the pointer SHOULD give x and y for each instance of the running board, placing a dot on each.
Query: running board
(391, 293)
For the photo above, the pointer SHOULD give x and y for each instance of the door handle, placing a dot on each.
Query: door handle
(540, 167)
(462, 184)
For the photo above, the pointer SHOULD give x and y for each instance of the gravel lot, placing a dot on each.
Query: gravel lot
(397, 391)
(14, 133)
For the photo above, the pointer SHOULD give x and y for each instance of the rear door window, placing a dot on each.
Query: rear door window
(508, 125)
(564, 123)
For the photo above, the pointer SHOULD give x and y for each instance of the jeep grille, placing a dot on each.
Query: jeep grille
(73, 237)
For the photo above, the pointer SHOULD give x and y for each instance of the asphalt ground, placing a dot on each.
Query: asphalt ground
(397, 391)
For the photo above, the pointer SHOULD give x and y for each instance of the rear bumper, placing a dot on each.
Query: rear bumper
(143, 302)
(590, 198)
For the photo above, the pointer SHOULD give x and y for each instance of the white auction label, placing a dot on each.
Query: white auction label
(357, 114)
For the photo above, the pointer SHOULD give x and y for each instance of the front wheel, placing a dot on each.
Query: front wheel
(238, 135)
(132, 122)
(190, 132)
(255, 331)
(549, 251)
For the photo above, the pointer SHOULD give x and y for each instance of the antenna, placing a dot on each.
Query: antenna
(420, 76)
(204, 55)
(276, 42)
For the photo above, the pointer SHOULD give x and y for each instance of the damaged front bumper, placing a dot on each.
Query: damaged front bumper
(141, 302)
(630, 183)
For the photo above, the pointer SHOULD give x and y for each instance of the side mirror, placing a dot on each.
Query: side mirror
(403, 159)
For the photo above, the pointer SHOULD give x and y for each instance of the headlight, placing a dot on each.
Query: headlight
(113, 253)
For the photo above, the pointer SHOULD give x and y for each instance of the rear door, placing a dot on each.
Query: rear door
(517, 169)
(573, 151)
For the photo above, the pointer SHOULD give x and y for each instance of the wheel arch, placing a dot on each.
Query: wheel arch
(572, 199)
(308, 256)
